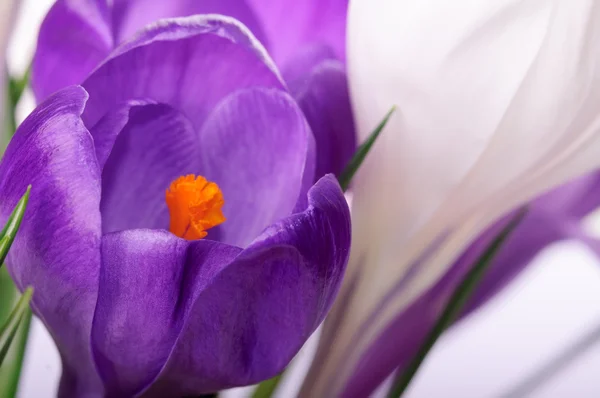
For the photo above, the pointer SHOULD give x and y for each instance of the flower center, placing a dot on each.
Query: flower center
(194, 206)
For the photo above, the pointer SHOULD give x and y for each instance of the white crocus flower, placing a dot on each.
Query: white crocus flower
(497, 101)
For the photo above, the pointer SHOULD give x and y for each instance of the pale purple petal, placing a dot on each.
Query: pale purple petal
(189, 64)
(574, 199)
(291, 25)
(57, 249)
(255, 147)
(74, 38)
(304, 61)
(215, 316)
(131, 15)
(107, 129)
(156, 146)
(322, 93)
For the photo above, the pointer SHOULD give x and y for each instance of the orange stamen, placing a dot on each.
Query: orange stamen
(194, 206)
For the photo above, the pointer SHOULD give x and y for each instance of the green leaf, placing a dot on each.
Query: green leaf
(10, 371)
(11, 367)
(7, 236)
(267, 387)
(9, 330)
(361, 153)
(454, 306)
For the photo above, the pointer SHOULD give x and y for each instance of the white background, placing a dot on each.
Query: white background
(550, 306)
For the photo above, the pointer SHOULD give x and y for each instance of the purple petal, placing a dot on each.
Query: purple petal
(574, 199)
(74, 38)
(322, 93)
(255, 147)
(107, 129)
(146, 292)
(213, 315)
(156, 146)
(57, 250)
(291, 25)
(189, 64)
(296, 72)
(131, 15)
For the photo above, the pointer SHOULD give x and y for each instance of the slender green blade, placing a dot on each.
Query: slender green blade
(9, 294)
(7, 236)
(10, 371)
(9, 330)
(454, 307)
(267, 387)
(11, 367)
(361, 153)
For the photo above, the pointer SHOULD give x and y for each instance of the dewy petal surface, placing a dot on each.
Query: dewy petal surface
(217, 316)
(57, 249)
(475, 135)
(74, 38)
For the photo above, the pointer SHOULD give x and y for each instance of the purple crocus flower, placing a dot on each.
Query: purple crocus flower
(134, 309)
(306, 40)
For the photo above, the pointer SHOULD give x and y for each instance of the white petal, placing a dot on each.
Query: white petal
(498, 101)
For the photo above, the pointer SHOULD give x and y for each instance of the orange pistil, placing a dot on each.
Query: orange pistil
(194, 206)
